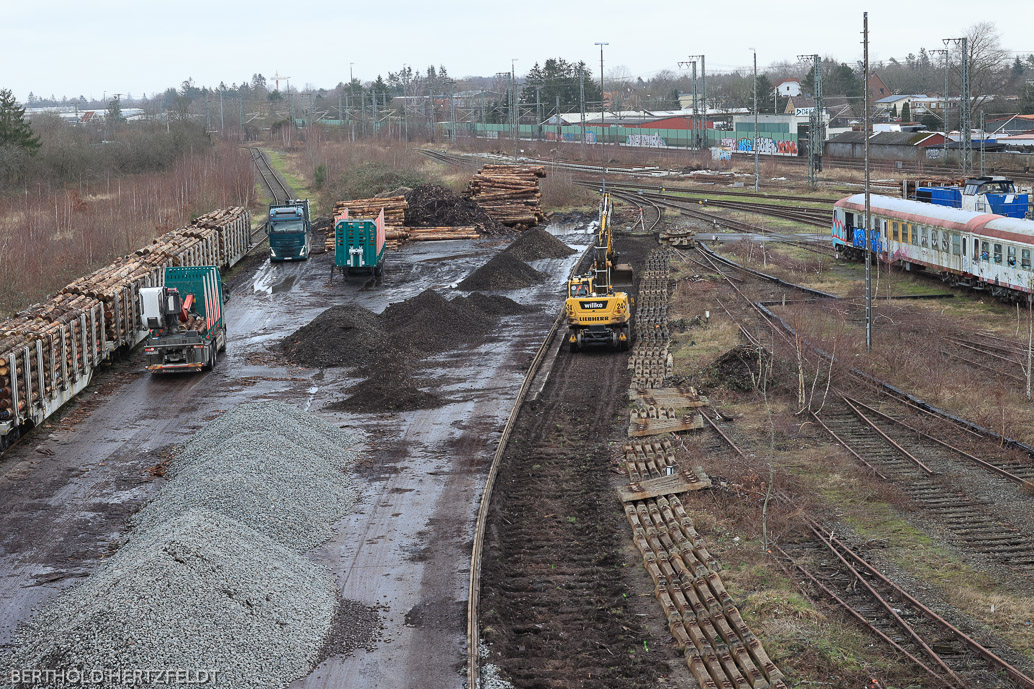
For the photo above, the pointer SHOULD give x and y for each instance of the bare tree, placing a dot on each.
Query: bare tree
(987, 62)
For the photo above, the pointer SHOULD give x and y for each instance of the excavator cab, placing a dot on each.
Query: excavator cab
(579, 286)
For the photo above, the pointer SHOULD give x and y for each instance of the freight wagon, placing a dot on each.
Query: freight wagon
(982, 251)
(50, 351)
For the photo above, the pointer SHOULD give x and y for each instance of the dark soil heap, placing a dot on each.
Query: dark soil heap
(431, 324)
(536, 243)
(431, 205)
(738, 368)
(346, 335)
(504, 271)
(492, 305)
(390, 387)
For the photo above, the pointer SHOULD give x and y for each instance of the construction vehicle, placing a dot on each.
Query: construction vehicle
(289, 231)
(184, 320)
(598, 308)
(359, 245)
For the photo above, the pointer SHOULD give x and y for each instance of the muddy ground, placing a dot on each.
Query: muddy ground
(562, 601)
(69, 488)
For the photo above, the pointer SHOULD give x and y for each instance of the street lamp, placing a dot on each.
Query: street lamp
(757, 169)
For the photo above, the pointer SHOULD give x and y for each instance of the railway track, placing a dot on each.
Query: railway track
(271, 181)
(827, 566)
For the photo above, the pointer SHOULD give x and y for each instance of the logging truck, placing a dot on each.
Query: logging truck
(184, 320)
(597, 309)
(288, 229)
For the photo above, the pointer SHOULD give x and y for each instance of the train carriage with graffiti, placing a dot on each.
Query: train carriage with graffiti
(982, 251)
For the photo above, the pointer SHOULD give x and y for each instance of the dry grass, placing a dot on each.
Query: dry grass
(560, 193)
(50, 237)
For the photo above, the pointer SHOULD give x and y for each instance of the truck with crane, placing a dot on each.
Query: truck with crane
(184, 320)
(598, 309)
(289, 231)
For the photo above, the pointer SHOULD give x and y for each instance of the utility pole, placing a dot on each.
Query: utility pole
(222, 121)
(538, 109)
(944, 109)
(816, 135)
(866, 231)
(965, 105)
(699, 115)
(240, 113)
(581, 102)
(514, 112)
(452, 111)
(983, 137)
(757, 162)
(603, 115)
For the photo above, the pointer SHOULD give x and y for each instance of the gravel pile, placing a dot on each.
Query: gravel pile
(431, 324)
(537, 243)
(213, 577)
(504, 271)
(201, 592)
(346, 335)
(431, 205)
(263, 480)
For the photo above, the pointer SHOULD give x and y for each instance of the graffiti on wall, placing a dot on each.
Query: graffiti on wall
(718, 153)
(767, 146)
(728, 143)
(647, 140)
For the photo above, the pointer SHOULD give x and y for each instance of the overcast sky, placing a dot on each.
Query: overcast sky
(71, 47)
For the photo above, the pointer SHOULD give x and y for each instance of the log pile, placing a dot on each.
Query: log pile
(510, 193)
(368, 209)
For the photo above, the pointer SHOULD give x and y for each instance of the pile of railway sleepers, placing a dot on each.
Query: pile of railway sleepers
(510, 193)
(50, 347)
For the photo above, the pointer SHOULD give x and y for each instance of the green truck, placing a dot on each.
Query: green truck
(184, 320)
(359, 245)
(289, 231)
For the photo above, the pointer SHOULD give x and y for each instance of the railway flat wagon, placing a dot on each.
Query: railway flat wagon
(982, 251)
(50, 351)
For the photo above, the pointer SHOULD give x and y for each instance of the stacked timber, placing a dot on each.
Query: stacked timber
(368, 209)
(509, 193)
(233, 232)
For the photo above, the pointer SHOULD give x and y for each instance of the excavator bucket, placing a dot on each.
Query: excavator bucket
(622, 276)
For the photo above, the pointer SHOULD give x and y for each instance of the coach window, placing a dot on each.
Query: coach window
(894, 229)
(944, 241)
(913, 233)
(998, 253)
(984, 249)
(956, 244)
(922, 236)
(933, 240)
(1011, 255)
(1025, 259)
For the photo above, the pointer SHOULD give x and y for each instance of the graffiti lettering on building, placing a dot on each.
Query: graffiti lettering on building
(647, 140)
(767, 146)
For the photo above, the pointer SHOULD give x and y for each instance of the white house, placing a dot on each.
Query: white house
(788, 87)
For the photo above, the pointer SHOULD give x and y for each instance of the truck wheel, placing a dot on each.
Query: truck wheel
(378, 269)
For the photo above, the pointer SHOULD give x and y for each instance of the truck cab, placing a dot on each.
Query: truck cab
(288, 229)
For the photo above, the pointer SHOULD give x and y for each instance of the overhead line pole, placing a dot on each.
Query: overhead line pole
(866, 230)
(603, 115)
(757, 164)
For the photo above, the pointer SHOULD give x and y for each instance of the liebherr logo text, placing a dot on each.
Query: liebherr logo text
(593, 304)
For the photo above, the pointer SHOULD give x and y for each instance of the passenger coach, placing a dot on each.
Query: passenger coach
(967, 248)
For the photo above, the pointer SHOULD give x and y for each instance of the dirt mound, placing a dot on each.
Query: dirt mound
(738, 368)
(492, 305)
(346, 335)
(390, 387)
(431, 205)
(536, 243)
(431, 324)
(504, 271)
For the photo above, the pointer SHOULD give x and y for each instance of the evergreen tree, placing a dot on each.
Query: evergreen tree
(14, 130)
(558, 77)
(906, 112)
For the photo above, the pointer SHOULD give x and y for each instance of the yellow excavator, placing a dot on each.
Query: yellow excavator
(598, 308)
